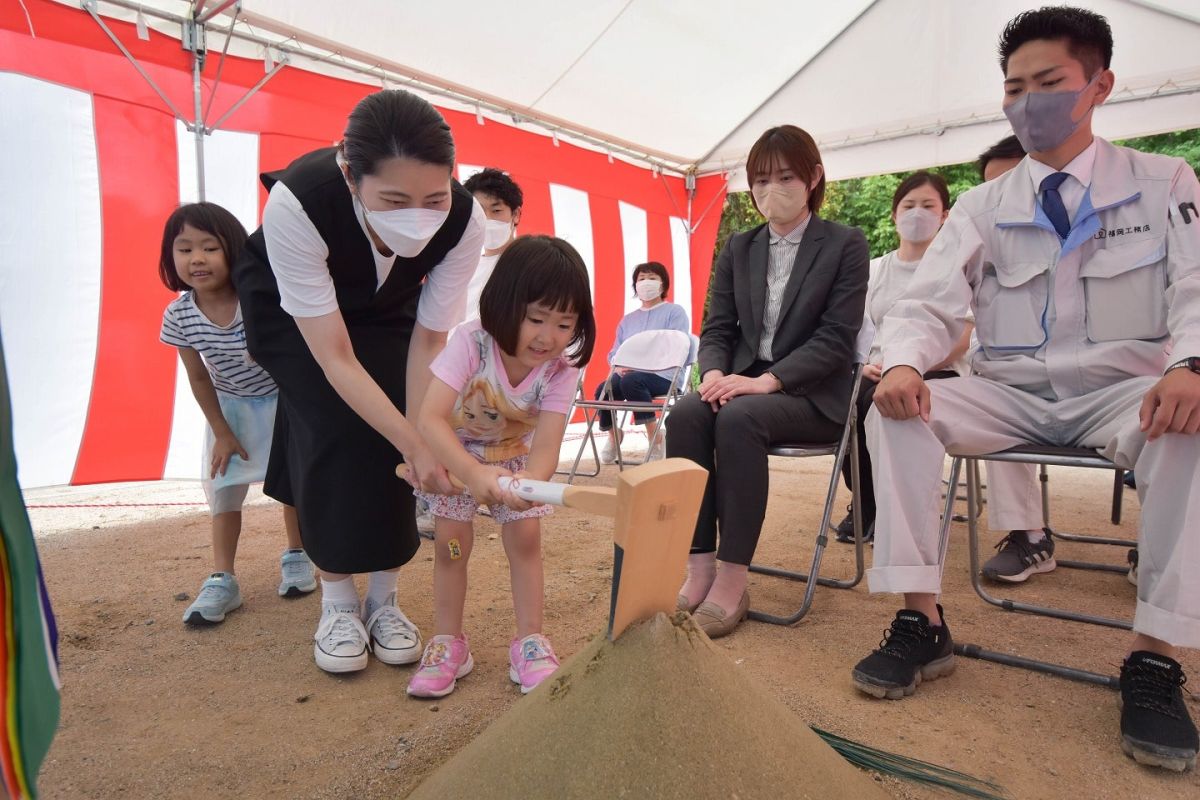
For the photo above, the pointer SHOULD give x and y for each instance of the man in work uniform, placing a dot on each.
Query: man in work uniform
(1080, 264)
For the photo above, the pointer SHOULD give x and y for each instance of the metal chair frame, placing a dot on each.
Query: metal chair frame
(574, 471)
(847, 443)
(661, 406)
(1054, 456)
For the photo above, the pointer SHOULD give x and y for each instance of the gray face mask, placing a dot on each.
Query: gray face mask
(1042, 120)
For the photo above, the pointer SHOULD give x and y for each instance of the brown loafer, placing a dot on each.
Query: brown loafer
(682, 604)
(713, 620)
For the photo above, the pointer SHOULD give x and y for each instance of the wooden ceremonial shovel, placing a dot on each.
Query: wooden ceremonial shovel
(654, 508)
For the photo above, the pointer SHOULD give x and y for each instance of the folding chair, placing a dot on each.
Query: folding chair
(648, 351)
(848, 443)
(1035, 454)
(579, 389)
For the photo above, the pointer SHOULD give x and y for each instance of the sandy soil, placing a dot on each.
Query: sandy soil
(154, 709)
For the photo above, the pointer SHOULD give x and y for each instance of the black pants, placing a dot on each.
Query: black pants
(636, 387)
(866, 482)
(732, 445)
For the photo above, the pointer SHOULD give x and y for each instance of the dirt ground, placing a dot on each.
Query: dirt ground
(152, 709)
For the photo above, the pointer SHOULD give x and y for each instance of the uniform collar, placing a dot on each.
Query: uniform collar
(1080, 168)
(1110, 183)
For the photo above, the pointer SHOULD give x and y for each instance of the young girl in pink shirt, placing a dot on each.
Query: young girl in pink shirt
(497, 406)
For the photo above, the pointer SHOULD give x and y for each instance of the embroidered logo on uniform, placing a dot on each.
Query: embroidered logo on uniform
(1126, 231)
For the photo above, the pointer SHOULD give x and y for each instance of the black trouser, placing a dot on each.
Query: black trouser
(732, 445)
(636, 387)
(866, 482)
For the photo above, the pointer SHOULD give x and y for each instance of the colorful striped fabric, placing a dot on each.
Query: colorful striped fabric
(29, 683)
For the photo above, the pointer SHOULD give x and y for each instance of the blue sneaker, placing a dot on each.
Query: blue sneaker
(297, 574)
(219, 594)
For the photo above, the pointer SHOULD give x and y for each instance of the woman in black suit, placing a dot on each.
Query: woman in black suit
(776, 356)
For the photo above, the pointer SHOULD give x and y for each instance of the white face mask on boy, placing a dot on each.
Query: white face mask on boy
(648, 289)
(496, 233)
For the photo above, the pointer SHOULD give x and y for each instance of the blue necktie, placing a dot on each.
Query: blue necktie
(1052, 204)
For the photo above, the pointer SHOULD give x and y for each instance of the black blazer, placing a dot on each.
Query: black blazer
(822, 310)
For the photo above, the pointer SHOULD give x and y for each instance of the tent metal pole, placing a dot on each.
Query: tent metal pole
(90, 7)
(283, 62)
(194, 41)
(203, 16)
(198, 125)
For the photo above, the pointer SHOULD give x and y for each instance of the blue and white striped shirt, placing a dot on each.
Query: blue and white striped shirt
(224, 351)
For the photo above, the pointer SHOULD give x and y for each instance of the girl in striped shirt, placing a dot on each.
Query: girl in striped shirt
(238, 397)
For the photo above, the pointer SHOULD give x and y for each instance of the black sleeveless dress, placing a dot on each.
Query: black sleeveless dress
(339, 473)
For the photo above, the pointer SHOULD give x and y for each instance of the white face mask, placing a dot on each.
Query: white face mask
(918, 224)
(405, 231)
(781, 204)
(496, 233)
(648, 290)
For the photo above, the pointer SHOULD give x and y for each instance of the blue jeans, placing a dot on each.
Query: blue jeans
(636, 387)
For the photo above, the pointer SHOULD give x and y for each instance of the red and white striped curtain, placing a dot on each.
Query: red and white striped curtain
(94, 163)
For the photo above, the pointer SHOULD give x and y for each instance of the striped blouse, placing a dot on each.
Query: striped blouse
(223, 349)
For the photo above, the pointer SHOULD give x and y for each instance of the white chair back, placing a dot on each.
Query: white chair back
(654, 351)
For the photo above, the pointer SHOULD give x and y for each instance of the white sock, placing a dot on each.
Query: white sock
(1035, 536)
(381, 586)
(341, 595)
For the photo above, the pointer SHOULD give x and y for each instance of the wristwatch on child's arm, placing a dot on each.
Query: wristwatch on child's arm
(1191, 362)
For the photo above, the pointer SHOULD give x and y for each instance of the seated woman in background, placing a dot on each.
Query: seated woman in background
(776, 356)
(650, 283)
(920, 205)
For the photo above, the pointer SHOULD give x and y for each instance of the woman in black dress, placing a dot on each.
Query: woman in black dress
(347, 290)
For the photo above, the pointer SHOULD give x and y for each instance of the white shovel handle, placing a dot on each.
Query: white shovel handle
(534, 491)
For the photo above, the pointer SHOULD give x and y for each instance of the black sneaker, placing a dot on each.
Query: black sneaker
(845, 528)
(912, 650)
(1155, 726)
(1019, 558)
(1132, 560)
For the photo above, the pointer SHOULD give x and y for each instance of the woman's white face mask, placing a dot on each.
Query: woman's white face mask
(648, 289)
(496, 233)
(405, 231)
(918, 224)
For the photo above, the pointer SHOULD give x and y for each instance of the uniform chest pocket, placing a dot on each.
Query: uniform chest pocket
(1010, 306)
(1125, 292)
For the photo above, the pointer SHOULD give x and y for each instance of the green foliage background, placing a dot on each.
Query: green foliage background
(866, 203)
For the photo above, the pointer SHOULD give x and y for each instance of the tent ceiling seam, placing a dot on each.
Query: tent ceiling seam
(582, 55)
(1161, 9)
(1167, 89)
(787, 82)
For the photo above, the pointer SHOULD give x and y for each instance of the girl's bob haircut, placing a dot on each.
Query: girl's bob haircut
(544, 270)
(208, 217)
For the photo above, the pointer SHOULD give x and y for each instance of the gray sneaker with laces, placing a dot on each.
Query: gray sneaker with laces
(219, 594)
(1019, 558)
(296, 572)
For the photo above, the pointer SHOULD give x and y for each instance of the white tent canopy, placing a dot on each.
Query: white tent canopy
(883, 85)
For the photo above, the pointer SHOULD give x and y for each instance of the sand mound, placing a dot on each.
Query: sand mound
(660, 714)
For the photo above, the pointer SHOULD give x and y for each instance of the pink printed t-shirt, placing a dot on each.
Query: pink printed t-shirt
(493, 419)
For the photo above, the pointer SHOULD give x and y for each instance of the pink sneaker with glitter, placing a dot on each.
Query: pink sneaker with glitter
(446, 659)
(530, 661)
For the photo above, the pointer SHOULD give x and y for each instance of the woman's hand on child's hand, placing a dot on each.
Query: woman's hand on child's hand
(225, 447)
(427, 475)
(511, 500)
(484, 485)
